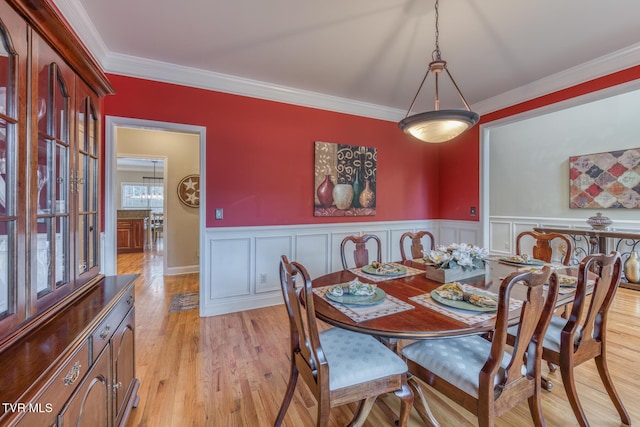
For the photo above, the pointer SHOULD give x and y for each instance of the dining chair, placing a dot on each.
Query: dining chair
(544, 245)
(339, 366)
(582, 337)
(417, 249)
(157, 226)
(360, 252)
(481, 375)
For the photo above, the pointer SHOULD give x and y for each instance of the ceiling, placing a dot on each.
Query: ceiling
(363, 52)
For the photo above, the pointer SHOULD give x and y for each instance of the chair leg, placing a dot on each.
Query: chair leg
(291, 387)
(572, 394)
(535, 407)
(364, 407)
(406, 402)
(601, 363)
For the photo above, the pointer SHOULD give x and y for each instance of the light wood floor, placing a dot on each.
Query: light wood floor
(232, 370)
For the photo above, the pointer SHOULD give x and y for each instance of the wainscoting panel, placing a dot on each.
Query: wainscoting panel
(312, 251)
(267, 273)
(230, 262)
(459, 232)
(241, 264)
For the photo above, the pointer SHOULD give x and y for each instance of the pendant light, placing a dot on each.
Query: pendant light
(438, 125)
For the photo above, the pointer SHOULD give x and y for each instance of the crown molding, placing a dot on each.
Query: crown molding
(176, 74)
(599, 67)
(79, 20)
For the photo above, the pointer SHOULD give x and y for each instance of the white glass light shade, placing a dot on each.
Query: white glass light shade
(438, 126)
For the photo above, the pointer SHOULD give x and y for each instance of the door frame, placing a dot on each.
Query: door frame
(109, 252)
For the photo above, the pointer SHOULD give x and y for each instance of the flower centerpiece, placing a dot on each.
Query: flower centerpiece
(454, 262)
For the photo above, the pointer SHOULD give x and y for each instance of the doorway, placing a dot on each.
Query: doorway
(162, 132)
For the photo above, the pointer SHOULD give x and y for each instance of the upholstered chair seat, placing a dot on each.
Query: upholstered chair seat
(357, 358)
(458, 360)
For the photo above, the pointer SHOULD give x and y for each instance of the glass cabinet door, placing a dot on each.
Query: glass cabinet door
(86, 188)
(7, 177)
(12, 151)
(50, 240)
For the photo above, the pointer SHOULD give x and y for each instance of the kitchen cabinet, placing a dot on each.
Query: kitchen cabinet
(131, 235)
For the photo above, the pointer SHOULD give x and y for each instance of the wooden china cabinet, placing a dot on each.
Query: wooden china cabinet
(66, 331)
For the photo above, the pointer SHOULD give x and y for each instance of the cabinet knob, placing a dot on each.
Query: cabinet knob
(73, 374)
(117, 385)
(105, 332)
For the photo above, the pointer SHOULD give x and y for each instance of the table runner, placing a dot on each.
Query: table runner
(360, 313)
(410, 271)
(465, 316)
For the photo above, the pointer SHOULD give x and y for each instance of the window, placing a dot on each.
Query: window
(136, 195)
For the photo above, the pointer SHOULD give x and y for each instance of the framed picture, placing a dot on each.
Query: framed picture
(605, 180)
(345, 180)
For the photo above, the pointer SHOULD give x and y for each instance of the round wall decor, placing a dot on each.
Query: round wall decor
(189, 190)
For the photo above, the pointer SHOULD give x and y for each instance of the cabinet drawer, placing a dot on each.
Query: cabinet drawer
(101, 335)
(52, 399)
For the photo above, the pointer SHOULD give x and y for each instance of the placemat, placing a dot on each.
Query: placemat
(360, 313)
(410, 271)
(465, 316)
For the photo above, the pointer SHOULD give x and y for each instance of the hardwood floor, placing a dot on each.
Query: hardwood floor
(232, 370)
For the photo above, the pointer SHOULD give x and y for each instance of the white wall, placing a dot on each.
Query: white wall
(529, 159)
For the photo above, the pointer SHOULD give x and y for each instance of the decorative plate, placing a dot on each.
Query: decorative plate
(567, 281)
(517, 260)
(391, 271)
(348, 299)
(189, 190)
(463, 305)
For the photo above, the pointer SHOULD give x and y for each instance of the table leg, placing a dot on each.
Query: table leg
(421, 404)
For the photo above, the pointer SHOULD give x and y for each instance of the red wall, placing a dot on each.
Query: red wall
(460, 159)
(260, 154)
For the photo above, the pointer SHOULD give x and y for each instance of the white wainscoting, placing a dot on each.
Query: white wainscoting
(503, 230)
(241, 264)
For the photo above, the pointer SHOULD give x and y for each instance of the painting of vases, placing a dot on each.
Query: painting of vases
(345, 180)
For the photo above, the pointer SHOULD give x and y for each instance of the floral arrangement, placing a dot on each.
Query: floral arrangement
(463, 255)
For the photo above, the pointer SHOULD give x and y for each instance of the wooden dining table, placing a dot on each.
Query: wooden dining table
(415, 320)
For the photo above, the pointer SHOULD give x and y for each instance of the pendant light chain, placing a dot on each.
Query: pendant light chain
(436, 53)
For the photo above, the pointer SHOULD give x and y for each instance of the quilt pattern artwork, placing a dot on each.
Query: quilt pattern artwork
(605, 180)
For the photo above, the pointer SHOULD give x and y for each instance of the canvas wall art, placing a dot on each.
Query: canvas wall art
(345, 180)
(605, 180)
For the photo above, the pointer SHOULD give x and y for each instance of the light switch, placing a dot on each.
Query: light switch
(219, 213)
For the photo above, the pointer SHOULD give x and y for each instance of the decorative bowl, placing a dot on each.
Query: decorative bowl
(599, 222)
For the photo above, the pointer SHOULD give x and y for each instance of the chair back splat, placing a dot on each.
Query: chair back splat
(417, 248)
(325, 360)
(360, 252)
(544, 245)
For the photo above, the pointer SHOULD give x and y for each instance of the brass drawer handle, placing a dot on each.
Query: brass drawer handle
(105, 332)
(73, 374)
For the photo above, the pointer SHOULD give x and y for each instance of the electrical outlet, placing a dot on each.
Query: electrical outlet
(472, 211)
(263, 277)
(506, 245)
(219, 213)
